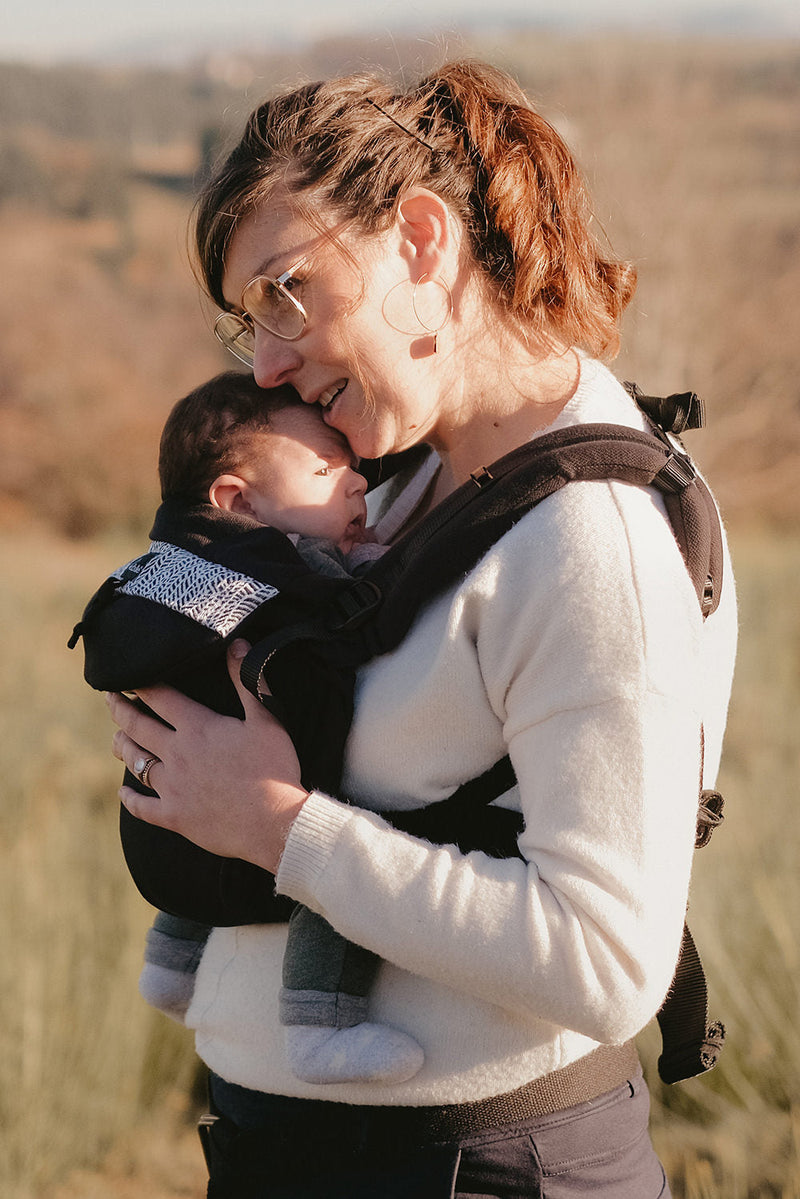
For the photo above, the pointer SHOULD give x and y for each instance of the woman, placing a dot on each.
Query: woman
(422, 266)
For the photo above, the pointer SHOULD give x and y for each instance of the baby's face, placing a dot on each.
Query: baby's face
(303, 479)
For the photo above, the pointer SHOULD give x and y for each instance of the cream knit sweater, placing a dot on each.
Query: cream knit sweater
(575, 645)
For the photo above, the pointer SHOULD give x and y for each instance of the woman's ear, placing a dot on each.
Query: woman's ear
(229, 492)
(424, 225)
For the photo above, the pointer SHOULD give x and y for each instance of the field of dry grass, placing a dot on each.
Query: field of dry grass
(96, 1089)
(693, 154)
(82, 1059)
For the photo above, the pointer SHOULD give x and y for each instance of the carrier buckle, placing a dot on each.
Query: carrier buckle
(676, 474)
(355, 605)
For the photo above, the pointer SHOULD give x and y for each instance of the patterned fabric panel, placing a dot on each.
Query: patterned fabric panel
(210, 594)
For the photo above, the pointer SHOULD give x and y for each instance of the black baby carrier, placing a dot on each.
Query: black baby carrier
(162, 616)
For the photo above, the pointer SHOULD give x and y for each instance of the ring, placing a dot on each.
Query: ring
(142, 767)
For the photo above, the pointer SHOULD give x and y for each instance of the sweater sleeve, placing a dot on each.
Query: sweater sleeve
(586, 634)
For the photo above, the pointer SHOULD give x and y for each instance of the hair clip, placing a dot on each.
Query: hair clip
(415, 136)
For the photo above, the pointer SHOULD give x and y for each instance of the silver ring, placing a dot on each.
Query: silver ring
(142, 767)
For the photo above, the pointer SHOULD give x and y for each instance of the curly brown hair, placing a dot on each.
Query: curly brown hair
(466, 132)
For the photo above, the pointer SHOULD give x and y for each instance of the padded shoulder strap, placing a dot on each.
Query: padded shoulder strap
(460, 531)
(373, 614)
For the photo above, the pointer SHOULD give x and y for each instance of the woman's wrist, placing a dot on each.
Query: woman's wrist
(313, 838)
(283, 810)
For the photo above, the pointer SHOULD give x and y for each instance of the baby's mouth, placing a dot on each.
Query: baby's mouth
(356, 529)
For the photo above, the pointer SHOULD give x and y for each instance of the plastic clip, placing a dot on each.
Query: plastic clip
(355, 605)
(675, 475)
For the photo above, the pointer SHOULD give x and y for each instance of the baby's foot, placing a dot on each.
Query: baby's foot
(363, 1053)
(168, 990)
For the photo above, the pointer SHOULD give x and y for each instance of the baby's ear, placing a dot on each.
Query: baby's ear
(228, 492)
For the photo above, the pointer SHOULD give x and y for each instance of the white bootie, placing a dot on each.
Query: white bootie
(363, 1053)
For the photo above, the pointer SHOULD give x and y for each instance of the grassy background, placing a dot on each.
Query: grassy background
(90, 1075)
(81, 1056)
(693, 154)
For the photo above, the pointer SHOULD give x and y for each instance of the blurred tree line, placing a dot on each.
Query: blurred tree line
(112, 117)
(71, 138)
(693, 160)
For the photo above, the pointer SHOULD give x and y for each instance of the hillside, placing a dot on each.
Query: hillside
(691, 151)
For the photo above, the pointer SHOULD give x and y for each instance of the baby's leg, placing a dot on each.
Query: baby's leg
(173, 949)
(324, 1004)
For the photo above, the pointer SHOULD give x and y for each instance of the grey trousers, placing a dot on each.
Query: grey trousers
(270, 1147)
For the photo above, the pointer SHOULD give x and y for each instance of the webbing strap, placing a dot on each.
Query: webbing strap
(432, 554)
(259, 655)
(691, 1044)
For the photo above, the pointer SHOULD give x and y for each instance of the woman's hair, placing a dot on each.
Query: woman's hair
(468, 133)
(210, 431)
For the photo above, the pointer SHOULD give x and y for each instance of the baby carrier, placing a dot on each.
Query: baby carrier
(310, 634)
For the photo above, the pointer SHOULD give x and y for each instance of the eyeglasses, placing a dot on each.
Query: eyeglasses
(269, 303)
(266, 302)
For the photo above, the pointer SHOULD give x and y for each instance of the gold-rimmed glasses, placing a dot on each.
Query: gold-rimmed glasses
(269, 303)
(266, 302)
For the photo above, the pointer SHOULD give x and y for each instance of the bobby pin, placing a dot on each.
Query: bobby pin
(389, 117)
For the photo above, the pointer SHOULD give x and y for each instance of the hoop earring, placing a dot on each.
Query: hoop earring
(449, 295)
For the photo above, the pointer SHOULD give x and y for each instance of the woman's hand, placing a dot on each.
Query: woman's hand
(231, 786)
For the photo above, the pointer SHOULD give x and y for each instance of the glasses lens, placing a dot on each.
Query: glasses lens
(236, 336)
(272, 307)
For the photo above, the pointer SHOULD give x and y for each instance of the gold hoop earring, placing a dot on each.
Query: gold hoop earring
(448, 295)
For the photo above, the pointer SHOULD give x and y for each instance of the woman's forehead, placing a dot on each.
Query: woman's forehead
(265, 242)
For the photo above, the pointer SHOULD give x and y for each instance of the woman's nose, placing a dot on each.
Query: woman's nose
(274, 360)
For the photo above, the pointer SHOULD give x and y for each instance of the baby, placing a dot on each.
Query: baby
(234, 459)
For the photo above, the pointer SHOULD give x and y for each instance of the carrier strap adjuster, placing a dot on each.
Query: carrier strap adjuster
(355, 605)
(676, 474)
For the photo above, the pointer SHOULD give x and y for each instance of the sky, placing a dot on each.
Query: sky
(56, 30)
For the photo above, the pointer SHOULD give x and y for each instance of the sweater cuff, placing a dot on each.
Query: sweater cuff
(310, 843)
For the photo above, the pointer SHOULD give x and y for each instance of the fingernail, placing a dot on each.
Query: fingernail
(239, 649)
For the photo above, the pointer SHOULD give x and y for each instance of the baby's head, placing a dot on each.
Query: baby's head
(265, 454)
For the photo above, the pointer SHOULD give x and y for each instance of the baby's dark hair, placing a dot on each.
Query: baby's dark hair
(210, 430)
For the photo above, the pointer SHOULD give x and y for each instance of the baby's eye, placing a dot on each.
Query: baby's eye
(324, 471)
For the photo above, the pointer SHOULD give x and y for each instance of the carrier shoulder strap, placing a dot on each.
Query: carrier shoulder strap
(459, 532)
(486, 508)
(373, 614)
